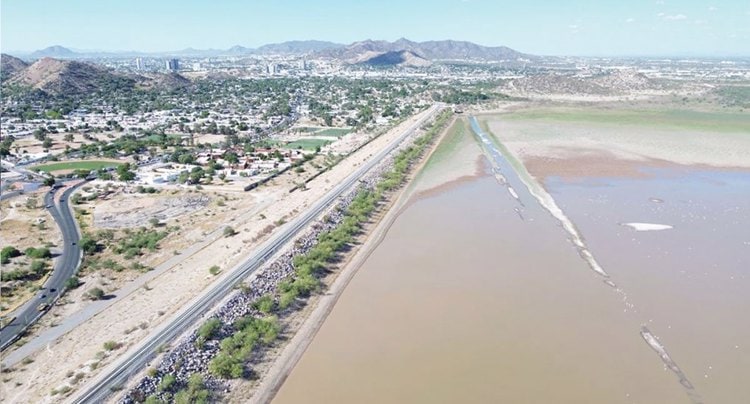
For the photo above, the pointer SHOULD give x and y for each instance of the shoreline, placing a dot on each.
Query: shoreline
(290, 355)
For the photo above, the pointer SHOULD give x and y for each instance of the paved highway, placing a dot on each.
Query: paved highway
(65, 267)
(115, 375)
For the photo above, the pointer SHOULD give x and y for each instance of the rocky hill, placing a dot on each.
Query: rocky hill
(452, 50)
(56, 77)
(430, 50)
(395, 58)
(68, 77)
(10, 65)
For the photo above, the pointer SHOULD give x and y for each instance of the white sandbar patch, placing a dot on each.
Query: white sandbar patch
(647, 226)
(513, 192)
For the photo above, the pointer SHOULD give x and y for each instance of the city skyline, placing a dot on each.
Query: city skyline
(581, 28)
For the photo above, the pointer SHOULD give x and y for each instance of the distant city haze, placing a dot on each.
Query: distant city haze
(579, 27)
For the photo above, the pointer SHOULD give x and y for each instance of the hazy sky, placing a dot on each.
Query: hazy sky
(576, 27)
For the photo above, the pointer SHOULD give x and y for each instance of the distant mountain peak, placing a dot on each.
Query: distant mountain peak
(53, 51)
(298, 47)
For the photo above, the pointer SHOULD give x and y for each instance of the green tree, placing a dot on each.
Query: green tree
(225, 366)
(111, 345)
(42, 252)
(167, 382)
(209, 329)
(127, 176)
(186, 158)
(7, 253)
(96, 293)
(72, 282)
(196, 392)
(124, 172)
(88, 244)
(231, 157)
(153, 399)
(38, 267)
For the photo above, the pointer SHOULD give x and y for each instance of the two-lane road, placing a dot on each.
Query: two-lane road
(66, 266)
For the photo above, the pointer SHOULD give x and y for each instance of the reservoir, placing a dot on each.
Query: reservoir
(478, 294)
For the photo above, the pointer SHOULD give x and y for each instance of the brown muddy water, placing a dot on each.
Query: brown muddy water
(477, 294)
(689, 284)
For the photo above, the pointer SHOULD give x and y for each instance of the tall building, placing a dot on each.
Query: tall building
(138, 64)
(173, 65)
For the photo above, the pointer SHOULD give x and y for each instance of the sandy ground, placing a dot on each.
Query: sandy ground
(347, 143)
(133, 210)
(31, 145)
(19, 228)
(129, 319)
(429, 177)
(570, 149)
(209, 139)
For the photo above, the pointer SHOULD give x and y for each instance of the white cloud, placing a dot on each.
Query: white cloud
(573, 26)
(712, 8)
(675, 17)
(672, 17)
(660, 2)
(629, 20)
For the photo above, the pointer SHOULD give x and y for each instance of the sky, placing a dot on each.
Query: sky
(574, 27)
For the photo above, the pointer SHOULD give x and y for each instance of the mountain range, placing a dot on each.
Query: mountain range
(57, 70)
(290, 47)
(352, 53)
(430, 50)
